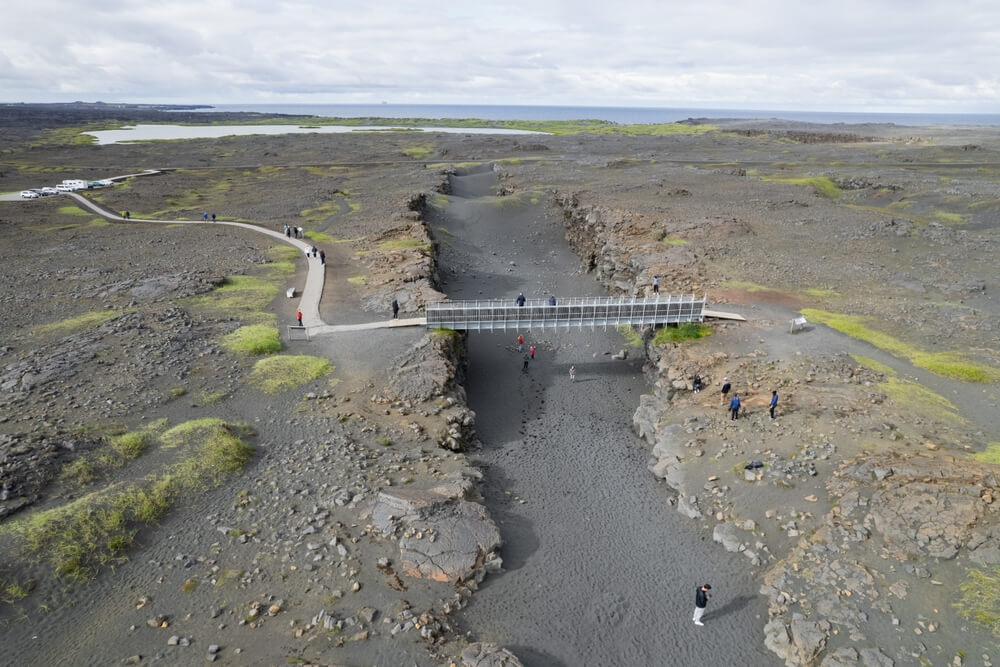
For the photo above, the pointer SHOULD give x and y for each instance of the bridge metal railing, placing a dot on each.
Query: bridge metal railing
(503, 314)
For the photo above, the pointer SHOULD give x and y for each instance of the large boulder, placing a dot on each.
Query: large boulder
(441, 537)
(484, 654)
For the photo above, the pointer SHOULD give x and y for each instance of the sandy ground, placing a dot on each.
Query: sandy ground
(601, 570)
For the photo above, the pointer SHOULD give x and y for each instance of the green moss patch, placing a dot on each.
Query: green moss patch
(80, 322)
(82, 537)
(821, 185)
(284, 253)
(253, 340)
(632, 337)
(876, 366)
(245, 297)
(979, 598)
(947, 364)
(281, 373)
(681, 332)
(319, 237)
(403, 244)
(990, 455)
(417, 152)
(132, 444)
(72, 210)
(921, 399)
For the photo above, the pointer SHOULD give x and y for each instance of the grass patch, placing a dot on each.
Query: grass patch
(132, 444)
(440, 332)
(417, 152)
(438, 200)
(990, 455)
(403, 244)
(283, 253)
(949, 218)
(819, 293)
(921, 399)
(945, 364)
(821, 185)
(281, 373)
(682, 332)
(669, 241)
(98, 222)
(82, 537)
(243, 296)
(13, 591)
(980, 598)
(279, 269)
(632, 337)
(876, 366)
(253, 340)
(319, 237)
(72, 210)
(358, 280)
(80, 322)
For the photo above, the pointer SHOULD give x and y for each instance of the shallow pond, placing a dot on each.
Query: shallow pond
(163, 132)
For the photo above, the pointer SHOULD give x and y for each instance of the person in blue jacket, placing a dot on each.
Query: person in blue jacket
(734, 406)
(774, 402)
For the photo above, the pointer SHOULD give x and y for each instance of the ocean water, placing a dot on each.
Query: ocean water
(623, 115)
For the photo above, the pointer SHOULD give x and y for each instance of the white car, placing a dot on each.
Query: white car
(62, 187)
(29, 194)
(45, 192)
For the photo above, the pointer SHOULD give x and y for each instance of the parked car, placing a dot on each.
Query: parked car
(29, 194)
(45, 192)
(62, 187)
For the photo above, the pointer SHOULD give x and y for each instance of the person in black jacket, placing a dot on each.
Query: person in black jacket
(725, 388)
(701, 598)
(520, 300)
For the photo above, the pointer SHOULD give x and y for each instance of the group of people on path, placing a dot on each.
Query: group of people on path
(204, 217)
(734, 403)
(290, 231)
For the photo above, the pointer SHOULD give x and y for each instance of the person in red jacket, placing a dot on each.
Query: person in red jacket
(298, 315)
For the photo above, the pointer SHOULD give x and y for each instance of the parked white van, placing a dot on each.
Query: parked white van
(62, 187)
(75, 184)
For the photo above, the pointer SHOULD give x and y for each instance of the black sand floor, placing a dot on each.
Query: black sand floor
(600, 568)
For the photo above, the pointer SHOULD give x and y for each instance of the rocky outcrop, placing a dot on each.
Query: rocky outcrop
(484, 654)
(897, 516)
(441, 535)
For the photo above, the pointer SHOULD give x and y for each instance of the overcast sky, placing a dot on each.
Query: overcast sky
(876, 55)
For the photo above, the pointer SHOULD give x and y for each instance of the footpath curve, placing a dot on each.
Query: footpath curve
(315, 278)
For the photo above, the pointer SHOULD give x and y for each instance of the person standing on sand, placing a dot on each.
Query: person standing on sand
(298, 315)
(524, 368)
(395, 309)
(734, 407)
(774, 401)
(696, 384)
(520, 342)
(572, 373)
(656, 284)
(531, 351)
(701, 598)
(725, 388)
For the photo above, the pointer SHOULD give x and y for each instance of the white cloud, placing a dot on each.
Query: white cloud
(880, 54)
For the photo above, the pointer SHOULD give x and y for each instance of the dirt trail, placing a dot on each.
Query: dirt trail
(600, 569)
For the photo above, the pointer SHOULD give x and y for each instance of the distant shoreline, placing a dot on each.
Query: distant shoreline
(618, 115)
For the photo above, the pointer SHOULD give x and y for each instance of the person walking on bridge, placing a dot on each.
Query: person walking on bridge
(520, 300)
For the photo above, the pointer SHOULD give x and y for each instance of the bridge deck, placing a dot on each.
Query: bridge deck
(496, 314)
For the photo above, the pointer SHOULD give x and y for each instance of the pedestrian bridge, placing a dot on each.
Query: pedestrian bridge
(500, 315)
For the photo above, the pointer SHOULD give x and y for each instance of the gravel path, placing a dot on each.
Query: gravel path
(601, 570)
